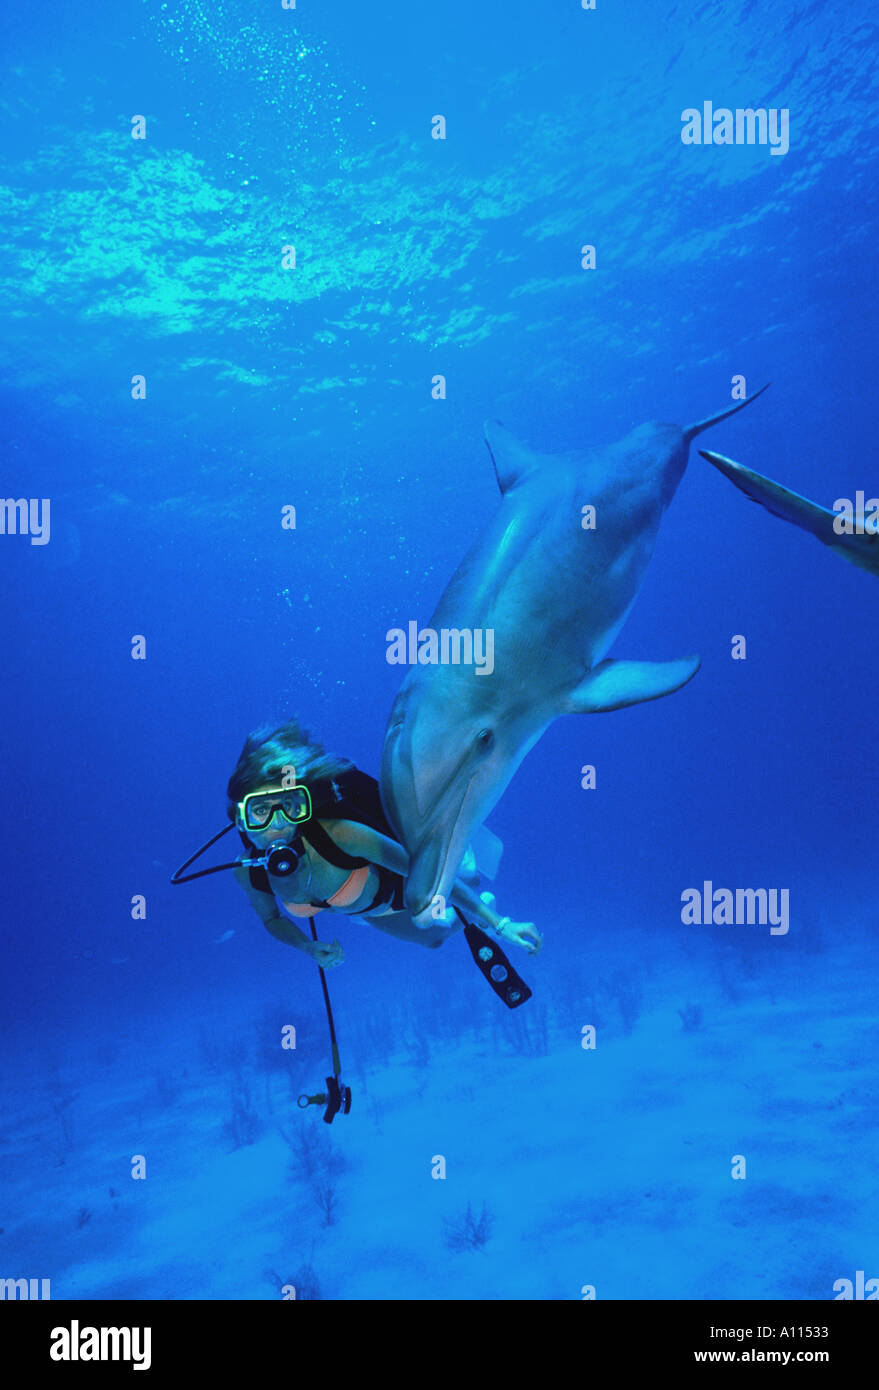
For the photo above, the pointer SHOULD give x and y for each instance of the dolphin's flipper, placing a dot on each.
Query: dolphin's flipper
(510, 458)
(860, 550)
(481, 857)
(615, 684)
(487, 850)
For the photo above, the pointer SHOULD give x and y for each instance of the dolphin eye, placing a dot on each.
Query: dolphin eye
(485, 739)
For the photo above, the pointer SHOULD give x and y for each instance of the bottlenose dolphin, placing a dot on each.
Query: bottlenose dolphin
(554, 583)
(860, 546)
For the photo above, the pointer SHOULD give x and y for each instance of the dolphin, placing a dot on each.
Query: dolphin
(859, 547)
(554, 583)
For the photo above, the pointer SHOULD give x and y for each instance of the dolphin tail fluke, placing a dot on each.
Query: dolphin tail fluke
(861, 550)
(615, 684)
(691, 431)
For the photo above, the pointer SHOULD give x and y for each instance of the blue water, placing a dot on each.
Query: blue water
(606, 1169)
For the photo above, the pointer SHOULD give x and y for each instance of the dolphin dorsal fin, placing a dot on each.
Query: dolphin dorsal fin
(690, 431)
(511, 459)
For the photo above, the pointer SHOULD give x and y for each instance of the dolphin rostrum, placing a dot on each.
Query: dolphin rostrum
(552, 577)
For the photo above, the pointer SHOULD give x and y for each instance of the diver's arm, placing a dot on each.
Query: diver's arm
(378, 849)
(323, 953)
(522, 933)
(474, 908)
(366, 843)
(266, 909)
(371, 844)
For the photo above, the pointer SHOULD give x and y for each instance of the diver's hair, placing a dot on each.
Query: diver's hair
(268, 751)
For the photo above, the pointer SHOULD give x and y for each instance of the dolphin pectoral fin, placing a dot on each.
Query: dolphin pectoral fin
(510, 458)
(487, 851)
(615, 684)
(861, 550)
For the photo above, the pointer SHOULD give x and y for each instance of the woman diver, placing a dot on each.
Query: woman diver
(316, 839)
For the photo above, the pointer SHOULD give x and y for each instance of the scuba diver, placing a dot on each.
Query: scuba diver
(316, 839)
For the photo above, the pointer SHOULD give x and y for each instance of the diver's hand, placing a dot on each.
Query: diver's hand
(325, 954)
(523, 934)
